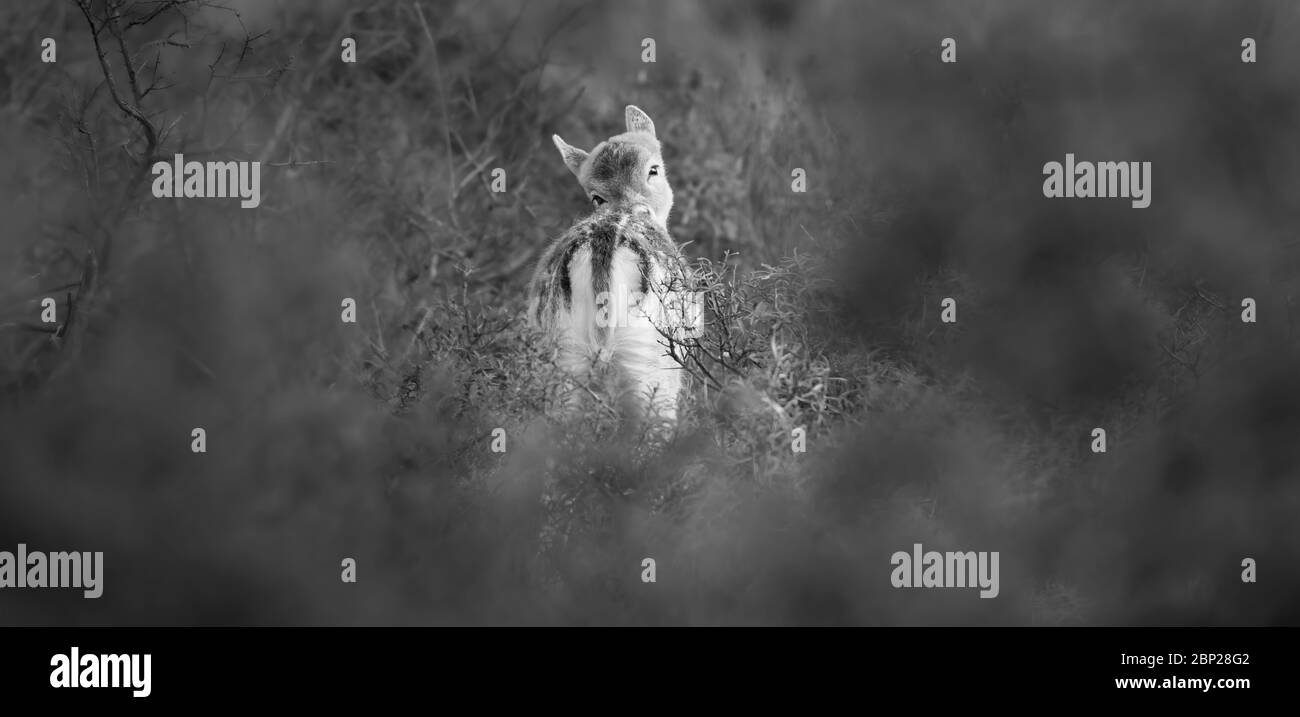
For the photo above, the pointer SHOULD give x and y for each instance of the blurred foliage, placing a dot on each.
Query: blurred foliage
(330, 440)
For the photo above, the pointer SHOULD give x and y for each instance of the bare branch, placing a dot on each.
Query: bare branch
(133, 111)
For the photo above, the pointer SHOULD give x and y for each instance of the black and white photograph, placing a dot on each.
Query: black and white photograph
(892, 318)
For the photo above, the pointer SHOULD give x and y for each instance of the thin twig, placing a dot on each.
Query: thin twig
(446, 117)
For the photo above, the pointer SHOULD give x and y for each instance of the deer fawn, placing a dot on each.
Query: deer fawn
(615, 288)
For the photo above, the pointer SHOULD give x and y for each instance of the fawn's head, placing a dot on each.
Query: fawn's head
(625, 171)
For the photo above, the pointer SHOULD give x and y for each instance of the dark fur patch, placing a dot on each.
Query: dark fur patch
(643, 264)
(604, 240)
(616, 159)
(562, 261)
(600, 232)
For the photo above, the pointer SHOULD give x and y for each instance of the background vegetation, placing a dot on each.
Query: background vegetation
(329, 440)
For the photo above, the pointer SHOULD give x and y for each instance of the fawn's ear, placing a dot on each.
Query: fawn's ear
(638, 121)
(573, 157)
